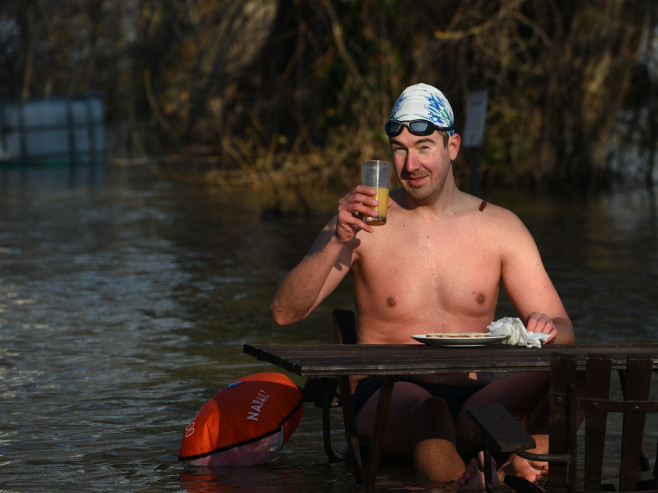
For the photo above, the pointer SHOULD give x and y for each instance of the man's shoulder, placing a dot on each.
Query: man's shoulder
(492, 218)
(482, 207)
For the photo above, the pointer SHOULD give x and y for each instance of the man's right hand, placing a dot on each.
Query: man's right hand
(351, 208)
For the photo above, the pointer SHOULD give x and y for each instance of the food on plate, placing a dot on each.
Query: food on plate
(461, 335)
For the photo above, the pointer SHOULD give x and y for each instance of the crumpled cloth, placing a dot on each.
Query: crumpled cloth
(515, 333)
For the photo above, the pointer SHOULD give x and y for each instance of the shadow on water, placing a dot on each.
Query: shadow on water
(125, 300)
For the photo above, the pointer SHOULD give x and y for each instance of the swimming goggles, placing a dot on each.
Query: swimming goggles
(416, 127)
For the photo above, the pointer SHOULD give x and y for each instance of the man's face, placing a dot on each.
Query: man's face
(422, 163)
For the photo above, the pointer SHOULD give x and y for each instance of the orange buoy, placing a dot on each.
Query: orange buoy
(243, 424)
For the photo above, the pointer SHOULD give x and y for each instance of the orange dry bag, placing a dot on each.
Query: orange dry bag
(245, 423)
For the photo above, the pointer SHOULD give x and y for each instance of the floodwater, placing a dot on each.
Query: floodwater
(125, 300)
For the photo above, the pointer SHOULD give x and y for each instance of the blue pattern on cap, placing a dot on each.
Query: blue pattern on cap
(423, 102)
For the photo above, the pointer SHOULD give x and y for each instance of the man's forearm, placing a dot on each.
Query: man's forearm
(299, 292)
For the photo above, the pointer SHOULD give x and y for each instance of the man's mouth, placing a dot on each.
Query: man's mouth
(415, 181)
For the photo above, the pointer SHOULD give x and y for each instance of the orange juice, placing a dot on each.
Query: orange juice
(381, 208)
(376, 174)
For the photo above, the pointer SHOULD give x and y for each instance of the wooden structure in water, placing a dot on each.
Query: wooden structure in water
(57, 130)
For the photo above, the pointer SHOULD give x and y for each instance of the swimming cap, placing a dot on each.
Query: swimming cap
(424, 102)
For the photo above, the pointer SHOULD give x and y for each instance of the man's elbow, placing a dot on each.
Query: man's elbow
(566, 334)
(280, 319)
(565, 339)
(280, 316)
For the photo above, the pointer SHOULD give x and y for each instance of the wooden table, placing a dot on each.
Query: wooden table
(389, 361)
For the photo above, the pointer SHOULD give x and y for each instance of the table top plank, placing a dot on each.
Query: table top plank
(317, 360)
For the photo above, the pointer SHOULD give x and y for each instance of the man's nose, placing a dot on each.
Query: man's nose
(412, 163)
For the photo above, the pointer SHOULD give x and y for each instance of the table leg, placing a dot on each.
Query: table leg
(328, 388)
(488, 468)
(378, 429)
(350, 427)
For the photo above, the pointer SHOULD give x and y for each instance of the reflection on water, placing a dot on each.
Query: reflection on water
(125, 301)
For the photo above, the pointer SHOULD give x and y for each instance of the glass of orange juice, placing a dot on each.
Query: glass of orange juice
(377, 174)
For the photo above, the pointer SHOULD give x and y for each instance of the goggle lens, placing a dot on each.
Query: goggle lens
(416, 127)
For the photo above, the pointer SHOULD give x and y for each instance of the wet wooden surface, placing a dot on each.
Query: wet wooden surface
(318, 360)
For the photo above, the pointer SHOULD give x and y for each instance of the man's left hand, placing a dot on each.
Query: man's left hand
(541, 323)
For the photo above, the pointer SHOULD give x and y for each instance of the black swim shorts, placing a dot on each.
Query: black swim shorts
(454, 395)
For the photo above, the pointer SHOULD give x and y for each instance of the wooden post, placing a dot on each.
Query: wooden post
(473, 138)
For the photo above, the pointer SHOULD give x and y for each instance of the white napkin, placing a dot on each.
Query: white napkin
(515, 333)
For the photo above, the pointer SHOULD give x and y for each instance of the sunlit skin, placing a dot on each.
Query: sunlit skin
(435, 266)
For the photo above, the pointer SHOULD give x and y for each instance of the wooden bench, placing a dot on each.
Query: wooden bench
(575, 397)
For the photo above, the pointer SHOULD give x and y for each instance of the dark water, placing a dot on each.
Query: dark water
(125, 300)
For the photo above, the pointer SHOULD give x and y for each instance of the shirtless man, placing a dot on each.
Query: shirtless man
(435, 266)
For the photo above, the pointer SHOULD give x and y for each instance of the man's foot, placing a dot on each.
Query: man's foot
(473, 477)
(530, 470)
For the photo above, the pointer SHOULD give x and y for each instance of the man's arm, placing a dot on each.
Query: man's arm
(317, 275)
(328, 261)
(531, 290)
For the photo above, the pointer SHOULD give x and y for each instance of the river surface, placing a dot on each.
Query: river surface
(125, 300)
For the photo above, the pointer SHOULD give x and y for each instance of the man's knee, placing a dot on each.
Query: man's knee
(434, 420)
(434, 407)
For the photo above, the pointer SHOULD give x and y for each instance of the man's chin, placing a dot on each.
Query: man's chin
(419, 194)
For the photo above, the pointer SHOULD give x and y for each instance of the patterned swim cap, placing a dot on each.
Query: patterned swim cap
(423, 102)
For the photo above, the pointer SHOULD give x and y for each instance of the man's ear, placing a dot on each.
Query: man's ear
(454, 143)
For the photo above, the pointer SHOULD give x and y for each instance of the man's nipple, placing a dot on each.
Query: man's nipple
(390, 301)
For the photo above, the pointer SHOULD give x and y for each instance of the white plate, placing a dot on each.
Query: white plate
(456, 341)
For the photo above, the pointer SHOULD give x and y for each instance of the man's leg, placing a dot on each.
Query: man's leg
(420, 426)
(525, 396)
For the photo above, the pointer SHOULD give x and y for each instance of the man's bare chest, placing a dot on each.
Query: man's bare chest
(464, 279)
